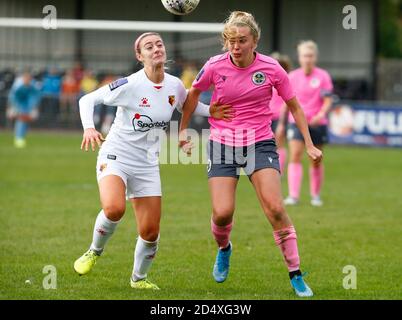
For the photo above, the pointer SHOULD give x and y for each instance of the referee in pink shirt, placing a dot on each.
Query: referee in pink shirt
(244, 79)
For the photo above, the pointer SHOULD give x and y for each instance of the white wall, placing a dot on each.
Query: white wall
(346, 53)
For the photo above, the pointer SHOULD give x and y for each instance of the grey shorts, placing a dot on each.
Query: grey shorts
(319, 134)
(227, 161)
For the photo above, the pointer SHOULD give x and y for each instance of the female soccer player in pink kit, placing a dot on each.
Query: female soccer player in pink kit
(244, 79)
(313, 87)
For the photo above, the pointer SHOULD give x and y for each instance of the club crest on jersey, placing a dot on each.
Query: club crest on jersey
(315, 83)
(172, 100)
(144, 103)
(143, 123)
(259, 78)
(117, 83)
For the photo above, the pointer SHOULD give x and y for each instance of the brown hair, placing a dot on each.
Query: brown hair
(239, 19)
(283, 60)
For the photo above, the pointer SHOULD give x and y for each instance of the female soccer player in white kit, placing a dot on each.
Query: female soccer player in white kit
(128, 164)
(244, 79)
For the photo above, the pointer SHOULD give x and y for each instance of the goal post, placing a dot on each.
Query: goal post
(105, 45)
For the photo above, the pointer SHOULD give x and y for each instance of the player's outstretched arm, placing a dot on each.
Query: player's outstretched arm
(323, 112)
(283, 115)
(314, 153)
(189, 106)
(91, 136)
(216, 110)
(193, 97)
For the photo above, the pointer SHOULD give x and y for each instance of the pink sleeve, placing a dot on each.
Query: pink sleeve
(327, 85)
(204, 78)
(282, 84)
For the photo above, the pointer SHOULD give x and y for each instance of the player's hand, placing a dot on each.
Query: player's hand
(184, 142)
(224, 112)
(186, 146)
(315, 121)
(315, 154)
(93, 137)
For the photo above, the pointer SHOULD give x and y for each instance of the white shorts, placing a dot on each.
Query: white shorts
(138, 184)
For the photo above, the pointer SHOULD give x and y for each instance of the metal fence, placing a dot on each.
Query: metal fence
(389, 77)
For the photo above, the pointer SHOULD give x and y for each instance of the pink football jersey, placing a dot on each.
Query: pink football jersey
(276, 105)
(310, 91)
(249, 91)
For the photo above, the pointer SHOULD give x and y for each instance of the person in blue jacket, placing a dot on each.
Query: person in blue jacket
(24, 98)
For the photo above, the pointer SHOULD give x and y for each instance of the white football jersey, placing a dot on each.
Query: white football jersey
(143, 109)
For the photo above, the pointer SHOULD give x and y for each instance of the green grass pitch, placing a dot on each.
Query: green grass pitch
(49, 201)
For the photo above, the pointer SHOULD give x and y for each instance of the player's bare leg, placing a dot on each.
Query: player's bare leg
(148, 215)
(223, 191)
(295, 171)
(316, 179)
(267, 183)
(112, 190)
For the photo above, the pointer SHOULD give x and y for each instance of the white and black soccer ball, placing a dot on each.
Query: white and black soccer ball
(180, 7)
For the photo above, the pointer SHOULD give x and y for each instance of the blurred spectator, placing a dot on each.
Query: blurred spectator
(89, 83)
(189, 74)
(78, 71)
(51, 87)
(51, 83)
(69, 95)
(24, 97)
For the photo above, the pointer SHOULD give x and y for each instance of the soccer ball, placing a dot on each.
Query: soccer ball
(180, 7)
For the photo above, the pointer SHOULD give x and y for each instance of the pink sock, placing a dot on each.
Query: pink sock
(221, 234)
(282, 159)
(295, 175)
(316, 178)
(286, 239)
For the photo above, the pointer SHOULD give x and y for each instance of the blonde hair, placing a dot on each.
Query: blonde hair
(239, 19)
(309, 44)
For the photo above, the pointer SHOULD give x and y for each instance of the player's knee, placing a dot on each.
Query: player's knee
(149, 233)
(114, 212)
(222, 215)
(314, 164)
(296, 157)
(276, 210)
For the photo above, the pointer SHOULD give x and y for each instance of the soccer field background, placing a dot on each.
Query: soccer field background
(49, 202)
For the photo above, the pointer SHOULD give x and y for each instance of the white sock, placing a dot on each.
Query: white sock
(144, 254)
(103, 230)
